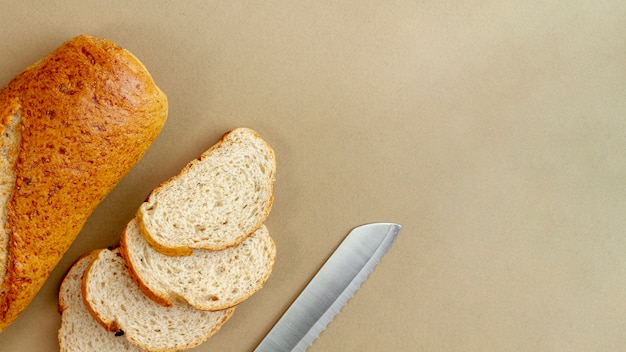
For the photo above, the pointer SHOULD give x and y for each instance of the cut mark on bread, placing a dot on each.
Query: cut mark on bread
(9, 149)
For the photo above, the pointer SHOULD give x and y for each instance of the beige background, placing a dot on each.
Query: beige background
(494, 131)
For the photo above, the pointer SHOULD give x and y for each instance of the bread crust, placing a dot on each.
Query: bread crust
(89, 111)
(62, 305)
(111, 326)
(164, 301)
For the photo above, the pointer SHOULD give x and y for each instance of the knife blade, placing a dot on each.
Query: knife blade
(331, 288)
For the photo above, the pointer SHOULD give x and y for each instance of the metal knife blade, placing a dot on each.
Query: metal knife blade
(331, 288)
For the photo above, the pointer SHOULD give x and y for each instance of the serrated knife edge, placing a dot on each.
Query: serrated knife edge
(331, 288)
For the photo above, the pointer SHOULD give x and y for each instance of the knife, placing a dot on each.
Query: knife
(331, 288)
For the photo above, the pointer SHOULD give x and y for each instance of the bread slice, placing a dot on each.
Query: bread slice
(207, 280)
(119, 305)
(216, 201)
(79, 331)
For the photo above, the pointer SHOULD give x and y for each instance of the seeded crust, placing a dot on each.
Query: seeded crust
(207, 280)
(83, 116)
(216, 201)
(79, 331)
(119, 305)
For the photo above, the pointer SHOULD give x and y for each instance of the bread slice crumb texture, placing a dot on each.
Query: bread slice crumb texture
(216, 201)
(10, 136)
(118, 304)
(79, 331)
(207, 280)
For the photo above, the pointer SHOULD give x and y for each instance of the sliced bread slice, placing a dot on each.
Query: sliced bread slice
(119, 305)
(216, 201)
(207, 280)
(79, 331)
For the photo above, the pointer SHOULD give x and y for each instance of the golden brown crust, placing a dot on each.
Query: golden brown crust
(89, 112)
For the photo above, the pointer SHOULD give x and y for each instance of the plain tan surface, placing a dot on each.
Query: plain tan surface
(493, 131)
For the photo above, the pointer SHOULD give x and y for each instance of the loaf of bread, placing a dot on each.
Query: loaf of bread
(120, 306)
(72, 125)
(216, 201)
(79, 330)
(206, 279)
